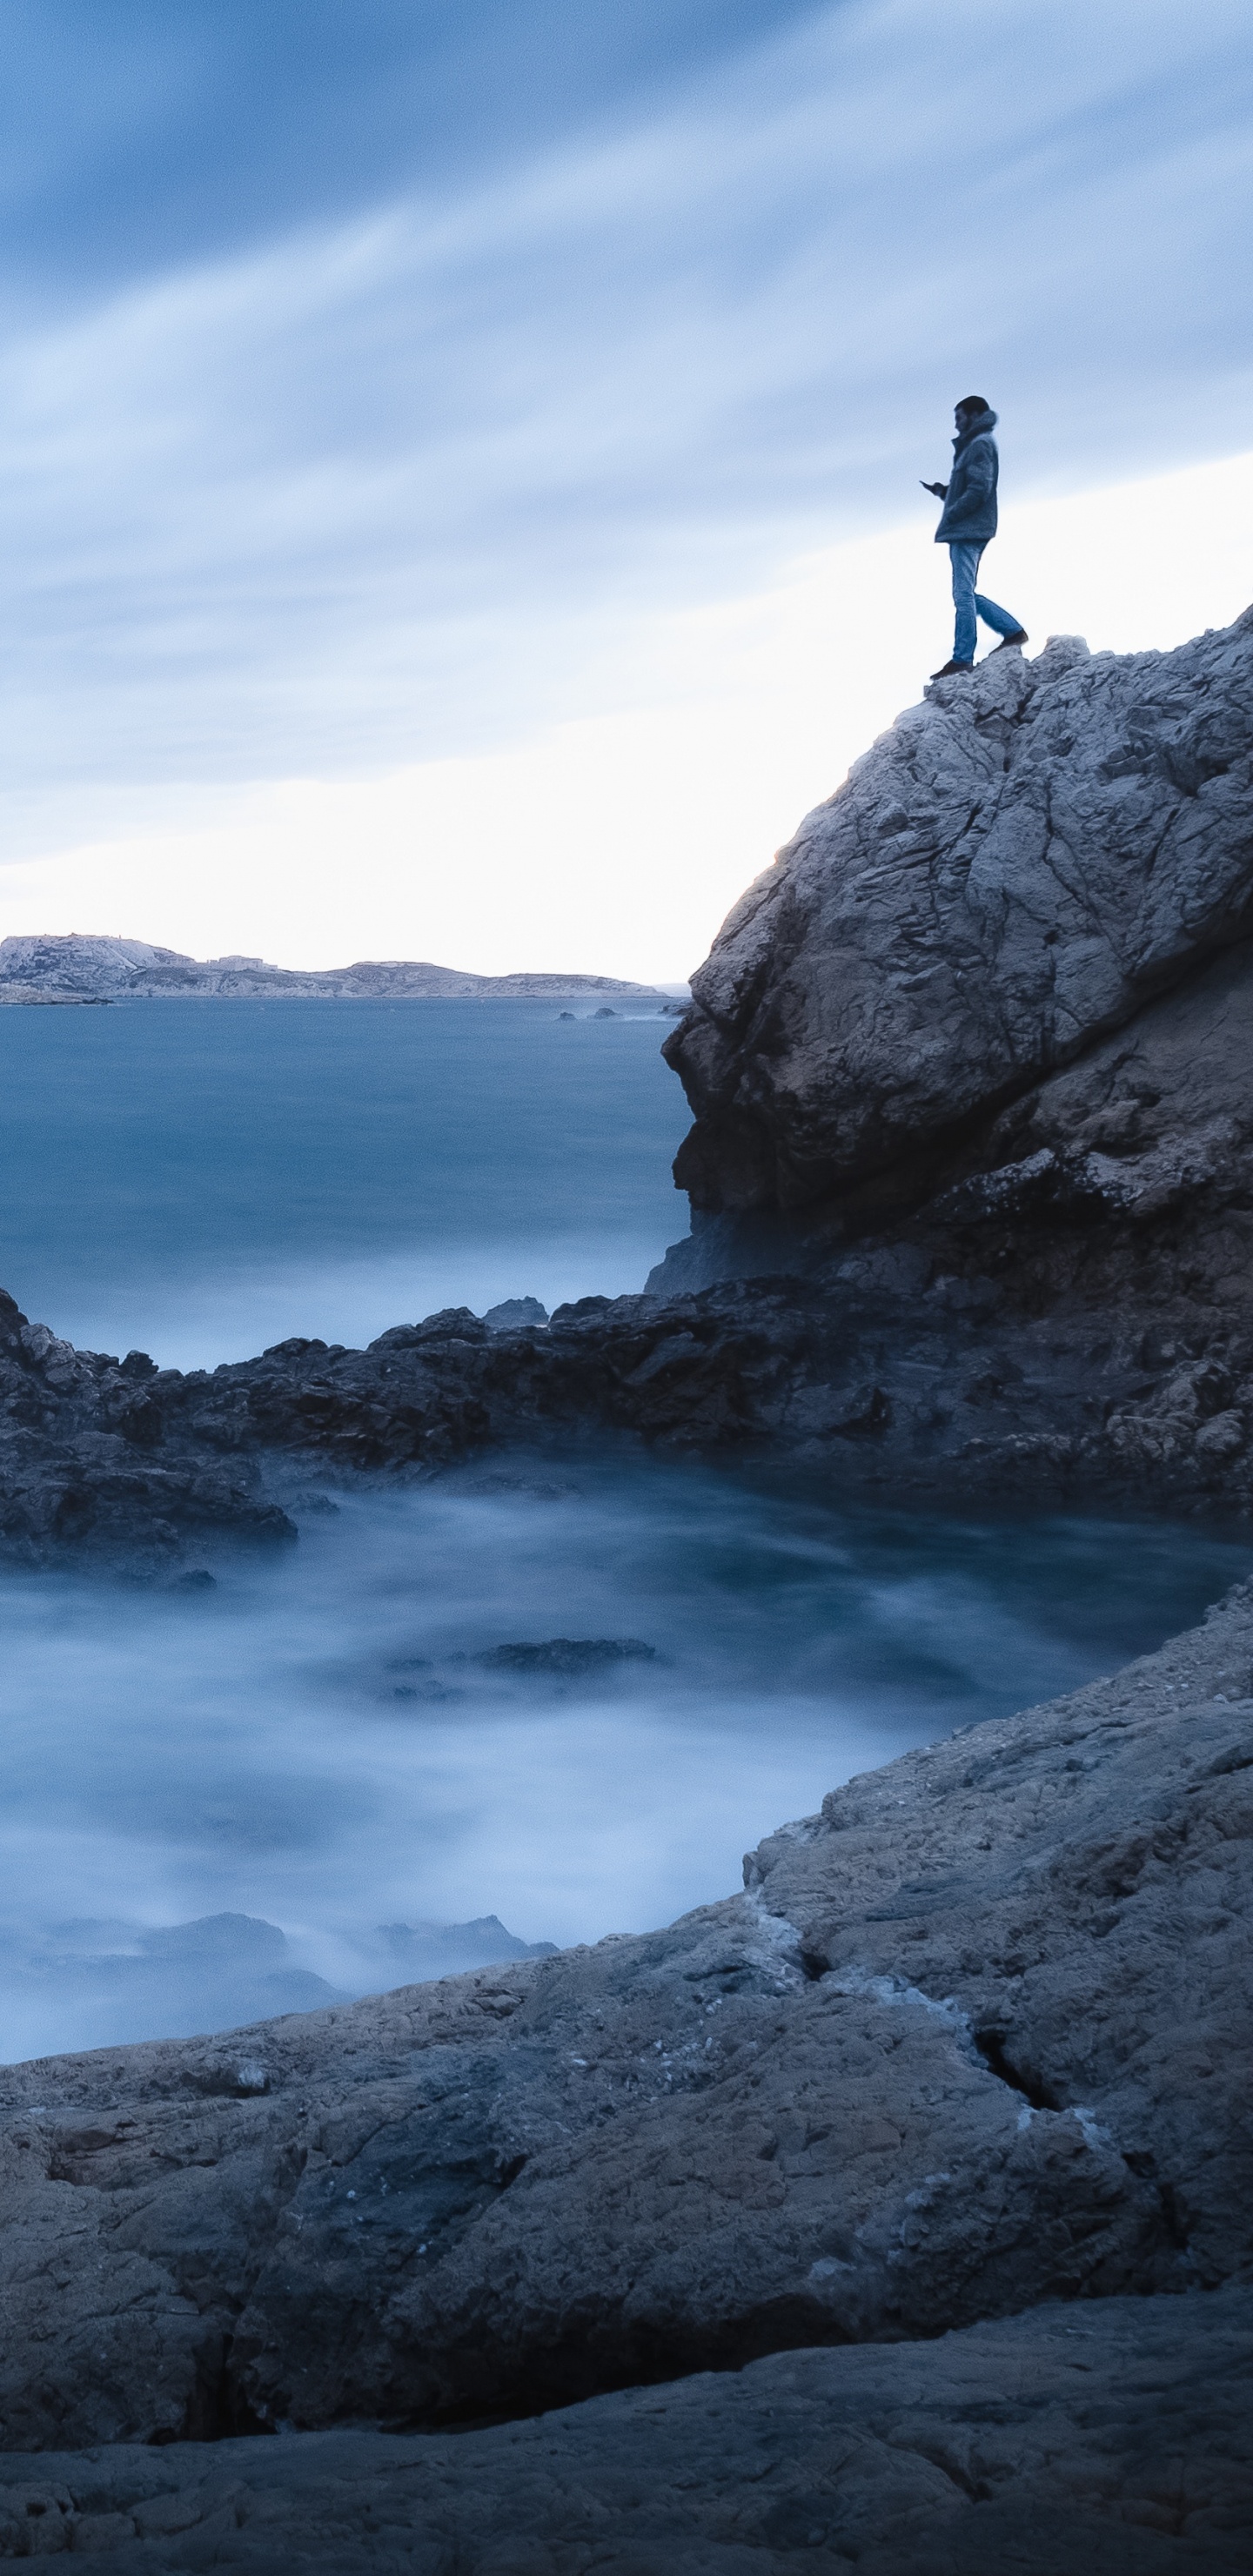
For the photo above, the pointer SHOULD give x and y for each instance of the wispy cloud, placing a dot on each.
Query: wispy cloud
(385, 480)
(619, 840)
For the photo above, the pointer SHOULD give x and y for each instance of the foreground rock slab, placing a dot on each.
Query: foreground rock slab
(1115, 2435)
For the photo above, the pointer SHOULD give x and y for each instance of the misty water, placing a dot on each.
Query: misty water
(566, 1691)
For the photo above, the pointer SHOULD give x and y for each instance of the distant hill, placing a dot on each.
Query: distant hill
(73, 968)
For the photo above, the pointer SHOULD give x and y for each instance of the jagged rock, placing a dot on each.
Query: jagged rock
(1014, 870)
(1107, 1358)
(446, 1949)
(972, 2039)
(79, 1433)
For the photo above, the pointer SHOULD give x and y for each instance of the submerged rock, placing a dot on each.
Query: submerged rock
(566, 1659)
(115, 1980)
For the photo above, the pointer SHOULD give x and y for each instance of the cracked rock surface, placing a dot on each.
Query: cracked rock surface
(1112, 2435)
(974, 2039)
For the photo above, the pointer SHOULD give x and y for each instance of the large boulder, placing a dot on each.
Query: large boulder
(1012, 872)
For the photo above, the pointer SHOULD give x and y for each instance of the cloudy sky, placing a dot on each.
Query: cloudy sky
(459, 458)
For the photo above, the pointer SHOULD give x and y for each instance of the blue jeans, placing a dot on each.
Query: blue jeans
(970, 604)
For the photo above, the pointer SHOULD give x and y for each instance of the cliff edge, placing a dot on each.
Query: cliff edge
(1036, 864)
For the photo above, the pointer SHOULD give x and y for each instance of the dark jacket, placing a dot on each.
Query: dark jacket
(969, 514)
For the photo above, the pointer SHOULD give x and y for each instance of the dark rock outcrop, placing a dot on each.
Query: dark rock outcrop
(87, 1466)
(1093, 1366)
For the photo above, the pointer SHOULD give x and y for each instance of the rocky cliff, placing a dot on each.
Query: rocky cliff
(987, 955)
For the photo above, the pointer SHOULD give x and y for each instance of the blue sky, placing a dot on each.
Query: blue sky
(142, 136)
(372, 374)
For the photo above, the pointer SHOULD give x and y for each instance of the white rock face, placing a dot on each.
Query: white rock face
(1011, 873)
(74, 964)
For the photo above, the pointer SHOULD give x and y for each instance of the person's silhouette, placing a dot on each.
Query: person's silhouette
(967, 524)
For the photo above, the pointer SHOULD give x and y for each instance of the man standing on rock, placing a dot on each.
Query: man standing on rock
(967, 524)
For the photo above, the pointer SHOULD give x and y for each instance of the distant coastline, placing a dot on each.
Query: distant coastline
(74, 968)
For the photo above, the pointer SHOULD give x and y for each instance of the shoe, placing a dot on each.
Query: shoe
(949, 668)
(1019, 636)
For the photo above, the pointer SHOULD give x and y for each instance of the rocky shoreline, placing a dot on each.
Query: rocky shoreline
(971, 2045)
(949, 1390)
(894, 2211)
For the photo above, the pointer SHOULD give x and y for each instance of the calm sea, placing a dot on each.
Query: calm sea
(566, 1690)
(197, 1179)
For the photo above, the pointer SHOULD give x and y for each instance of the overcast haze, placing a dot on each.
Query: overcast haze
(417, 419)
